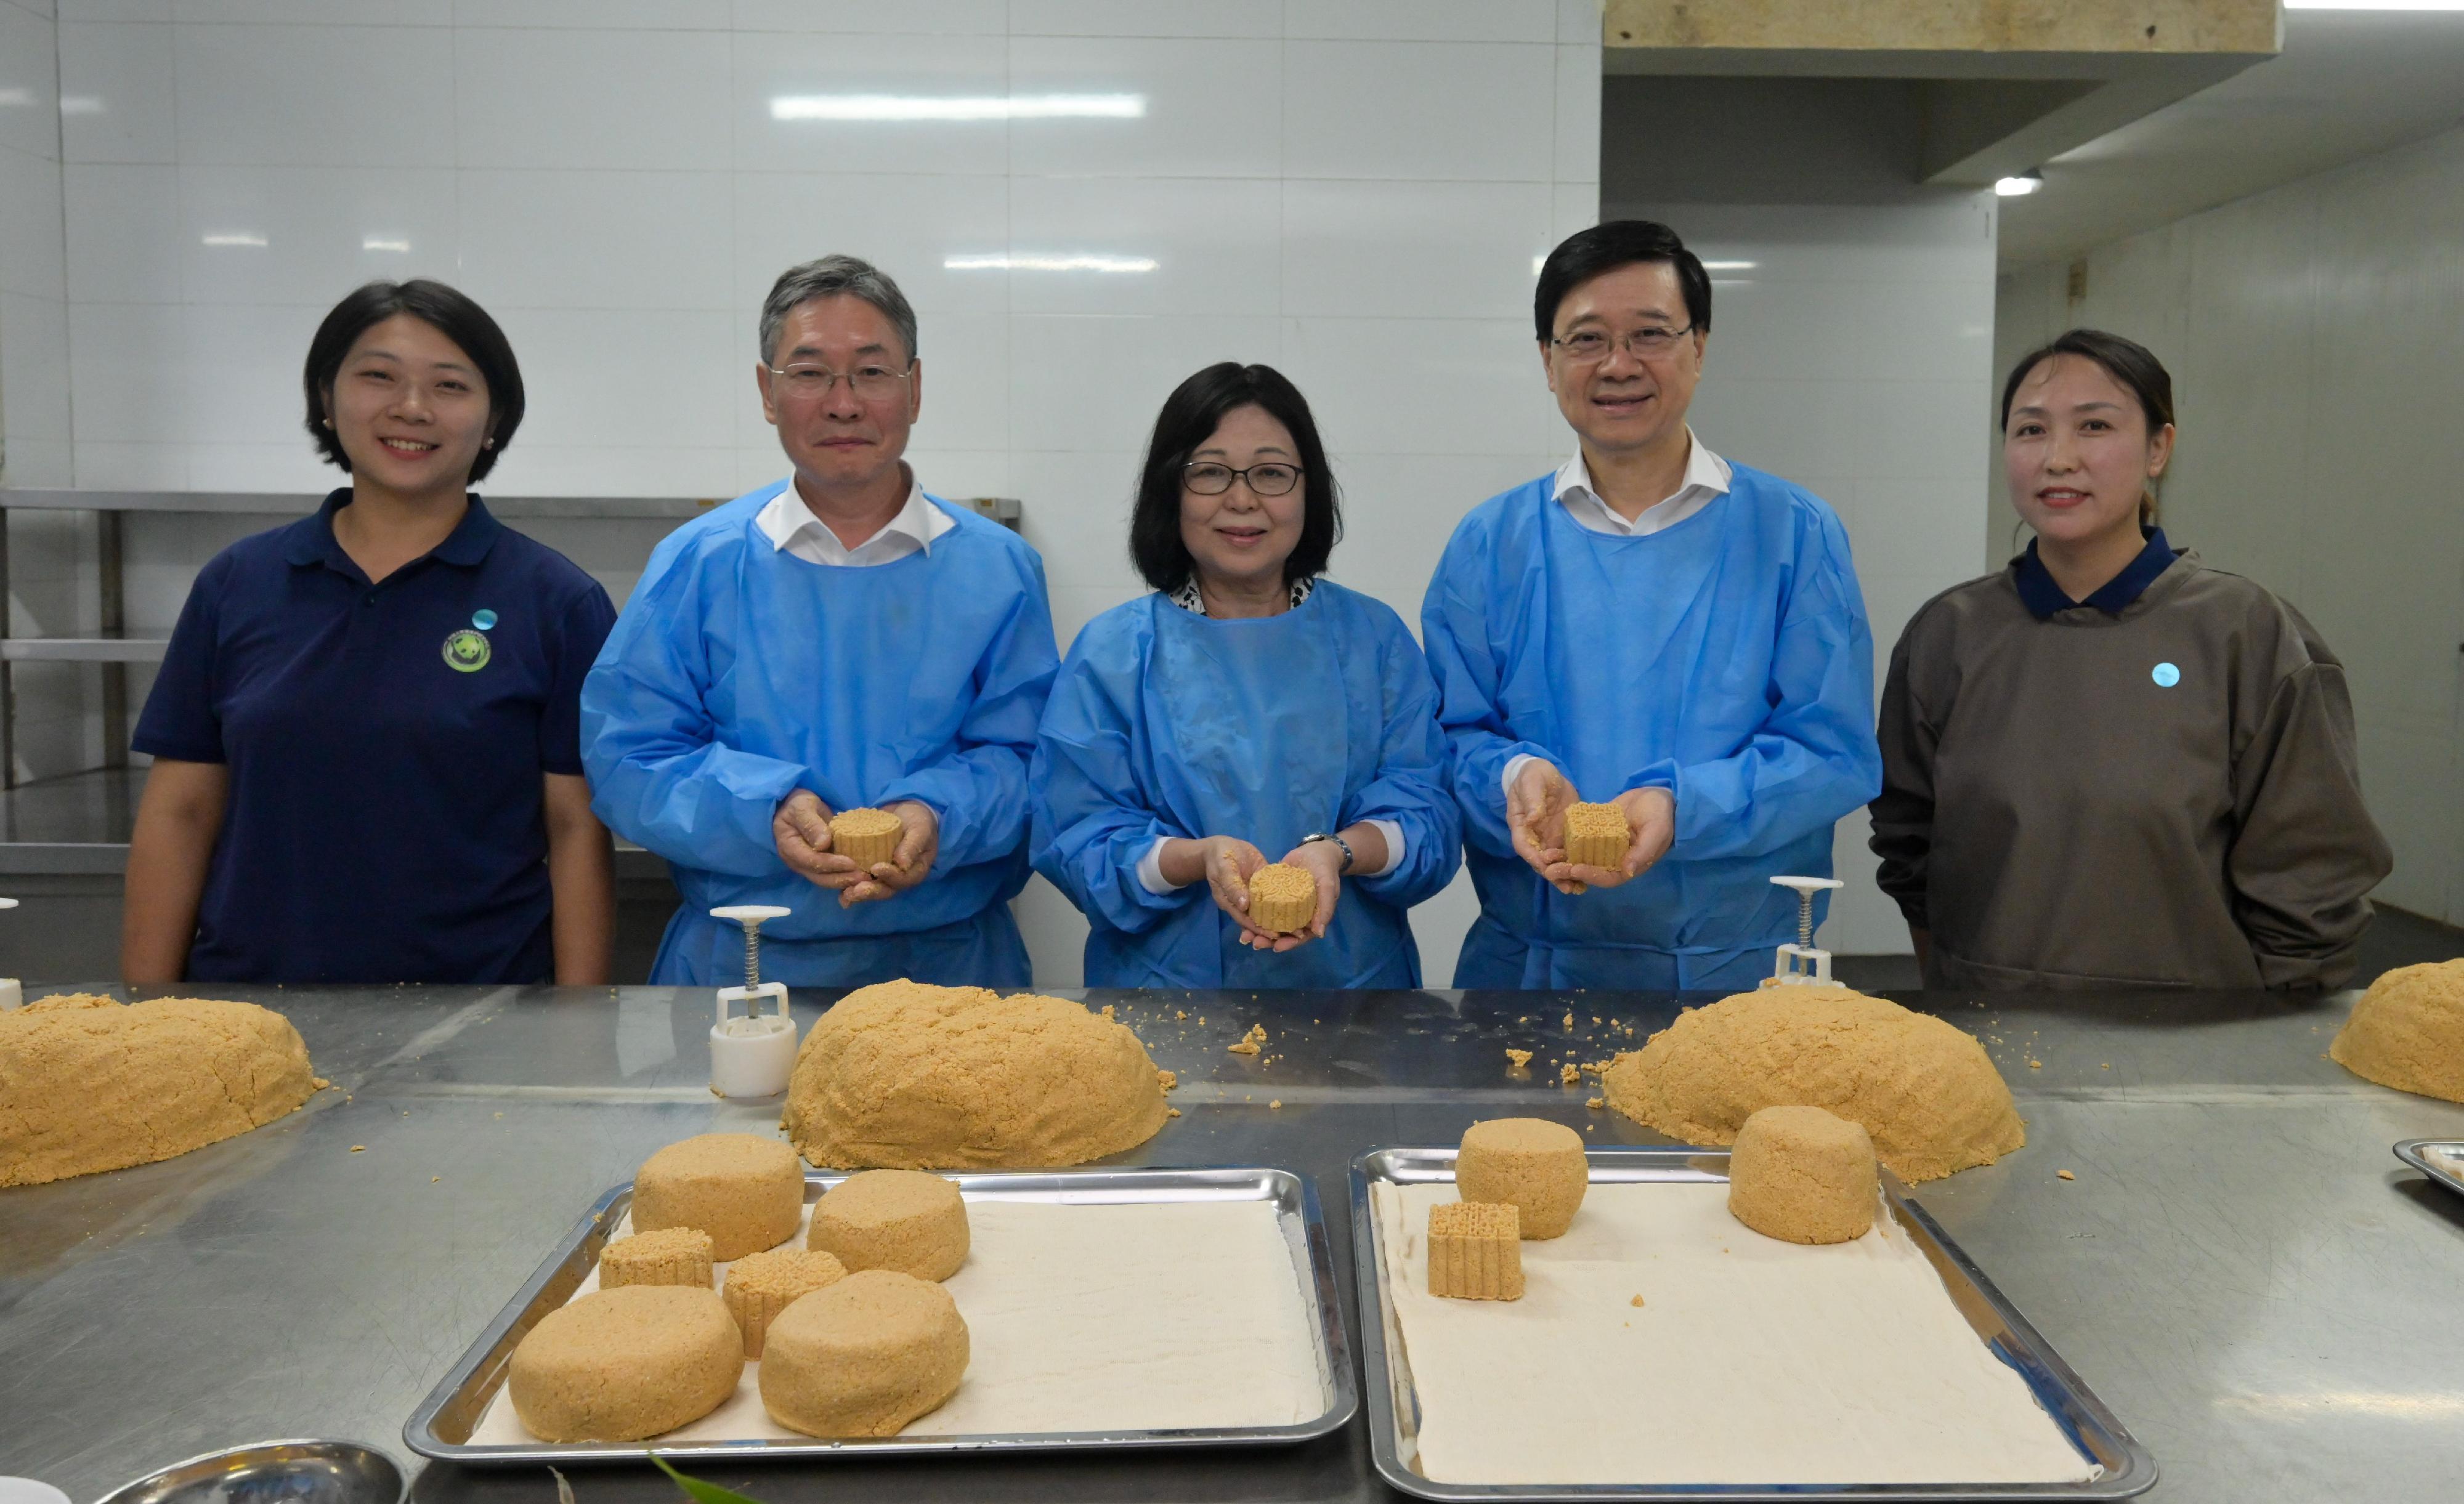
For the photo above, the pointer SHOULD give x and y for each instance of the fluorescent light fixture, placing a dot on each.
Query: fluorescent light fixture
(1732, 282)
(374, 243)
(2374, 5)
(235, 237)
(957, 107)
(81, 105)
(1727, 266)
(2020, 187)
(16, 97)
(1076, 263)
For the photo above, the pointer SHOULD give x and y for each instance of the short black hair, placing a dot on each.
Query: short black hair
(1190, 416)
(1587, 253)
(455, 315)
(2128, 361)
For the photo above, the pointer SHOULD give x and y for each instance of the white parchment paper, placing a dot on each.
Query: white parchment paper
(1090, 1318)
(1751, 1361)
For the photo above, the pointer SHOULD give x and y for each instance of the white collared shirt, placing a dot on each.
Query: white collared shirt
(792, 528)
(1706, 480)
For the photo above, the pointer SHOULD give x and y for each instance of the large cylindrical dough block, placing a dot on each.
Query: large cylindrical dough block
(1535, 1165)
(746, 1191)
(627, 1363)
(1803, 1176)
(863, 1357)
(901, 1219)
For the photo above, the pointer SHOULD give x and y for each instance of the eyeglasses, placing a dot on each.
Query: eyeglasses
(1206, 478)
(870, 384)
(1591, 346)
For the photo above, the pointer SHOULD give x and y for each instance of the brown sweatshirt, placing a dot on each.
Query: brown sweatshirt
(2165, 796)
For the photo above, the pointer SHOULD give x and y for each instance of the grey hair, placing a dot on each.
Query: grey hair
(829, 276)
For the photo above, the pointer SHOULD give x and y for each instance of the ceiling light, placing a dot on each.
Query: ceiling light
(16, 96)
(372, 242)
(81, 105)
(234, 238)
(1727, 266)
(957, 107)
(1075, 263)
(2020, 187)
(2374, 5)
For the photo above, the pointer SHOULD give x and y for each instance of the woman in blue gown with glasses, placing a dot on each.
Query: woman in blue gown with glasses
(1245, 707)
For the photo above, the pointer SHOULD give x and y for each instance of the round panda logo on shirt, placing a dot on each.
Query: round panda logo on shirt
(467, 651)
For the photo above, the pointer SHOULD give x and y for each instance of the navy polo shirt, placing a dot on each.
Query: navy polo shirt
(386, 744)
(2042, 596)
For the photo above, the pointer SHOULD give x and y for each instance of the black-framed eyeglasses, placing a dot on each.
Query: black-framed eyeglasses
(1591, 346)
(1271, 478)
(872, 381)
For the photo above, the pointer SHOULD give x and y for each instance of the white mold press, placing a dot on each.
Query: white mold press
(752, 1054)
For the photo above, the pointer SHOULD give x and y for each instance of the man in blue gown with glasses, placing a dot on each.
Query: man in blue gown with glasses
(834, 640)
(1654, 627)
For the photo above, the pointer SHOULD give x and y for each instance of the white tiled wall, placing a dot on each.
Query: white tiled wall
(2311, 333)
(1849, 349)
(1353, 189)
(51, 556)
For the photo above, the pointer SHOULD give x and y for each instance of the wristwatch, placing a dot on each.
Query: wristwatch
(1340, 844)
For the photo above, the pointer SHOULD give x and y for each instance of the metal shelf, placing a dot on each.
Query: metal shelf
(83, 649)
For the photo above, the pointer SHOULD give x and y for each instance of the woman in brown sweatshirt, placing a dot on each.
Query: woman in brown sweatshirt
(2109, 764)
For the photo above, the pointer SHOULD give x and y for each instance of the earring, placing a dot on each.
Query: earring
(329, 422)
(487, 444)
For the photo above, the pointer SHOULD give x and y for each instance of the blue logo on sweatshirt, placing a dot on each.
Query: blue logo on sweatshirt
(2166, 675)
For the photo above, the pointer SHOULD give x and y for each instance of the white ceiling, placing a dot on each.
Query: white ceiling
(2349, 84)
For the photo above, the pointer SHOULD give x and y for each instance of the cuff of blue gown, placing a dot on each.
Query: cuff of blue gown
(1513, 766)
(1393, 834)
(1151, 869)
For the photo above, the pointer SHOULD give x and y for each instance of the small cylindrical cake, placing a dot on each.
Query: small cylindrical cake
(625, 1365)
(1475, 1250)
(901, 1219)
(762, 1285)
(668, 1256)
(1282, 899)
(746, 1191)
(1803, 1176)
(1536, 1165)
(866, 836)
(863, 1357)
(1597, 836)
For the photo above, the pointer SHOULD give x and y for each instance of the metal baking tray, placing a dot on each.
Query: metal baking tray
(442, 1425)
(1393, 1410)
(2442, 1160)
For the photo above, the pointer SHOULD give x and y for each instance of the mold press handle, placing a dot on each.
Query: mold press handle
(1802, 964)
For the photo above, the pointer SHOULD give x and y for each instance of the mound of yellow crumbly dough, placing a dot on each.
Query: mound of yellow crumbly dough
(1925, 1090)
(2408, 1031)
(89, 1084)
(905, 1076)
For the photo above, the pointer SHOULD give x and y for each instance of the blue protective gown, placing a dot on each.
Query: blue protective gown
(1167, 723)
(739, 673)
(1726, 659)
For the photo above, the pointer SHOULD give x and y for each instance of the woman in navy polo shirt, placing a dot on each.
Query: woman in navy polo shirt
(367, 762)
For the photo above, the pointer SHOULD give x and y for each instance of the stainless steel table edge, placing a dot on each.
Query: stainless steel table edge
(474, 1379)
(2130, 1468)
(2451, 1174)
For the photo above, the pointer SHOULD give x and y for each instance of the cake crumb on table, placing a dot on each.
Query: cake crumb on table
(1517, 1059)
(1597, 1104)
(2065, 1174)
(1636, 1301)
(1568, 1076)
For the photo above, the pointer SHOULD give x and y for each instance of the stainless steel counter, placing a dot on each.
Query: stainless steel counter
(2241, 1268)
